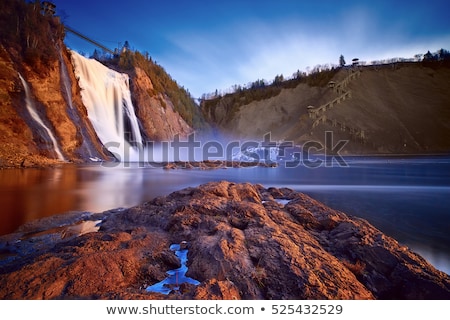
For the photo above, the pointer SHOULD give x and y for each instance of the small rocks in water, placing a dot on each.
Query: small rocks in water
(217, 164)
(183, 245)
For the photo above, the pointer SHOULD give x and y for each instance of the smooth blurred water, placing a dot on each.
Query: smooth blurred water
(407, 198)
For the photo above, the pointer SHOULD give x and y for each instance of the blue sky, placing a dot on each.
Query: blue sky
(208, 45)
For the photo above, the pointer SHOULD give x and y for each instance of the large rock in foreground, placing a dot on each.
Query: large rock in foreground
(244, 242)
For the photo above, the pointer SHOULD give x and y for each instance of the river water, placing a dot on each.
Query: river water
(406, 198)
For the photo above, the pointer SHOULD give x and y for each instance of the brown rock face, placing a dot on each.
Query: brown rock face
(57, 101)
(242, 241)
(160, 121)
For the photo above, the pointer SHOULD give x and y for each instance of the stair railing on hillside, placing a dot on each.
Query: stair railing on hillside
(320, 118)
(355, 132)
(339, 88)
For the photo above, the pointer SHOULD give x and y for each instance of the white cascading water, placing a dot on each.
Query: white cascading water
(106, 95)
(71, 111)
(65, 80)
(33, 113)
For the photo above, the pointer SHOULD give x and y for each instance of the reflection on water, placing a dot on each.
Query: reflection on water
(27, 194)
(405, 198)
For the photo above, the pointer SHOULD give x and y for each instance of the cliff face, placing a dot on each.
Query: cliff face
(58, 104)
(160, 121)
(399, 108)
(244, 242)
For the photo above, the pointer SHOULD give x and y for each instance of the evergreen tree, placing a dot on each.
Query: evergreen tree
(96, 55)
(428, 56)
(278, 80)
(341, 61)
(443, 54)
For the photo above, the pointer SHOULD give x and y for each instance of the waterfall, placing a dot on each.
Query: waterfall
(106, 95)
(66, 87)
(35, 116)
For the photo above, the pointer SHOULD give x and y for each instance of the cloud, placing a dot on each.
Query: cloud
(205, 62)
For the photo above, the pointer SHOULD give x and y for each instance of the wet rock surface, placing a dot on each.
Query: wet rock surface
(243, 243)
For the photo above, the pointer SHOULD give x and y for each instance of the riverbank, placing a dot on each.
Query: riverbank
(16, 161)
(244, 243)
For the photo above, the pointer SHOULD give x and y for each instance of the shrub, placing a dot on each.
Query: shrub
(356, 268)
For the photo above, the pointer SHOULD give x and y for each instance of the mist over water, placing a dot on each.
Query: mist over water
(404, 198)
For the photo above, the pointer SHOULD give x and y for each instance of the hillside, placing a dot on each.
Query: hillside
(396, 108)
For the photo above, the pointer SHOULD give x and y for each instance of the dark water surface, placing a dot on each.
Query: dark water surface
(407, 198)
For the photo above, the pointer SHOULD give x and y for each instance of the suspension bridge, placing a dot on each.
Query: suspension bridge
(82, 36)
(49, 9)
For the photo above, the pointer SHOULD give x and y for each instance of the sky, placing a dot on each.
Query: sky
(209, 45)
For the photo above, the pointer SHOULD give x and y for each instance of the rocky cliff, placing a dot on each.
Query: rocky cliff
(23, 140)
(392, 109)
(244, 242)
(158, 116)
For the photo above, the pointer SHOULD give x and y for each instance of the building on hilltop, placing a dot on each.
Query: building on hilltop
(48, 8)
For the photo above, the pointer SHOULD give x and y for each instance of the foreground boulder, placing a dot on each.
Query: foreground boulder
(244, 242)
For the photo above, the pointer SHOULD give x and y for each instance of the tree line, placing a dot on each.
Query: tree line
(316, 76)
